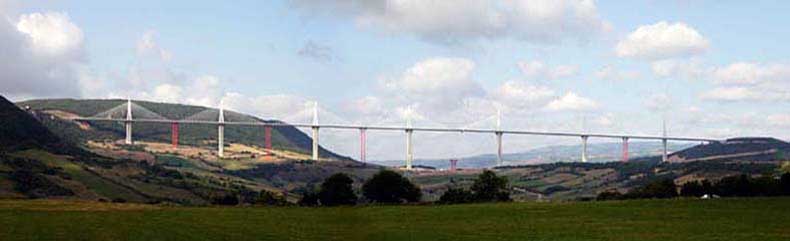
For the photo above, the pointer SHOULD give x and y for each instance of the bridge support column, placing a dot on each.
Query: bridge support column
(128, 123)
(664, 152)
(221, 132)
(584, 148)
(499, 148)
(362, 144)
(267, 137)
(409, 149)
(128, 126)
(221, 140)
(625, 149)
(174, 134)
(315, 143)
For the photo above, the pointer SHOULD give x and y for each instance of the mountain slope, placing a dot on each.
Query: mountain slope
(35, 163)
(283, 137)
(21, 131)
(745, 148)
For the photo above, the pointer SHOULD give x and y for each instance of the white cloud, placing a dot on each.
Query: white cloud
(662, 40)
(739, 81)
(691, 69)
(167, 93)
(658, 102)
(42, 53)
(50, 33)
(147, 45)
(435, 83)
(609, 72)
(779, 119)
(731, 94)
(745, 73)
(541, 21)
(519, 94)
(538, 70)
(280, 106)
(571, 102)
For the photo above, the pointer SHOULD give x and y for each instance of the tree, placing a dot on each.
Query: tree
(456, 195)
(664, 188)
(230, 199)
(390, 187)
(784, 184)
(739, 186)
(309, 199)
(692, 189)
(488, 187)
(336, 190)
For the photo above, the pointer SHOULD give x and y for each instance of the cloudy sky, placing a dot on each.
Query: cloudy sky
(710, 68)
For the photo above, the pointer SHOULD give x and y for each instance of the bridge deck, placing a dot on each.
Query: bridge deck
(403, 128)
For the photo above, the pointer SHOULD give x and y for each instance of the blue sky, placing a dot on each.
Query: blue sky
(711, 68)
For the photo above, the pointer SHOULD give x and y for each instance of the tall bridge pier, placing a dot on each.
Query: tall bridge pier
(584, 148)
(174, 134)
(221, 133)
(664, 153)
(267, 137)
(315, 131)
(362, 144)
(625, 149)
(128, 123)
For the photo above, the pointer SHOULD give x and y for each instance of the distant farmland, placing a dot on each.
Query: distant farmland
(722, 219)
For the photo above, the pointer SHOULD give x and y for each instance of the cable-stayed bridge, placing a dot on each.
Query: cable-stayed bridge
(130, 113)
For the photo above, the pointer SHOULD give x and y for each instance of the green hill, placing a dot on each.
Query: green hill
(22, 131)
(35, 163)
(283, 137)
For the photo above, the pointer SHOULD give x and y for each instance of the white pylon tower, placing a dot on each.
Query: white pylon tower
(315, 131)
(409, 148)
(499, 137)
(128, 123)
(584, 148)
(664, 141)
(221, 132)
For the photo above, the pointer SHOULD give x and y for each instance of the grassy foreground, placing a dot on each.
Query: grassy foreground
(723, 219)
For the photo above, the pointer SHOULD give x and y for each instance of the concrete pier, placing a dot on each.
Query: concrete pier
(584, 148)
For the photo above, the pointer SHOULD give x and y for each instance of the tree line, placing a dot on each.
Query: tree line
(385, 187)
(732, 186)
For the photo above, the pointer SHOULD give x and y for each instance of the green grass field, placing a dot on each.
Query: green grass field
(723, 219)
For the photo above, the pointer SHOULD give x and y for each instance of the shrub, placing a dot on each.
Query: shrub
(390, 187)
(226, 200)
(693, 189)
(456, 195)
(309, 199)
(664, 188)
(488, 187)
(784, 184)
(336, 190)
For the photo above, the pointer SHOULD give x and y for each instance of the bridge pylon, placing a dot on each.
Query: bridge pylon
(128, 123)
(221, 133)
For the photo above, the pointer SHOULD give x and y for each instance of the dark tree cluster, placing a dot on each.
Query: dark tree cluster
(488, 187)
(390, 187)
(386, 186)
(732, 186)
(740, 186)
